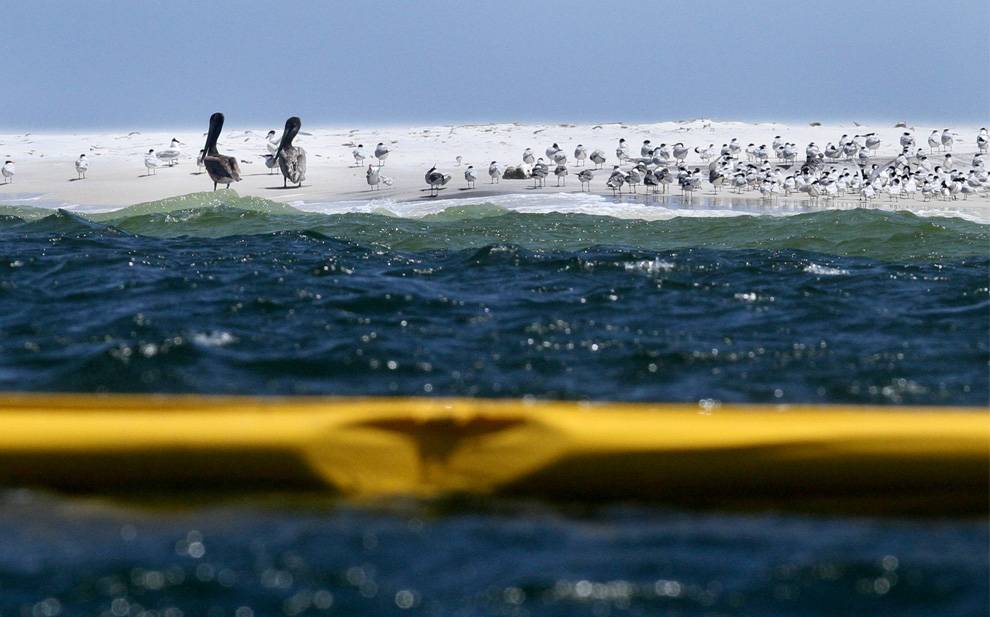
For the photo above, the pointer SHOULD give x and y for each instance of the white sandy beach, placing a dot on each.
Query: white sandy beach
(45, 174)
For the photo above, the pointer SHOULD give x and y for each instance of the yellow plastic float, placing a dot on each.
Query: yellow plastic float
(877, 460)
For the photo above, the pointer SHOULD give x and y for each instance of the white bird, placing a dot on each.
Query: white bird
(471, 176)
(381, 153)
(646, 149)
(622, 152)
(528, 157)
(151, 162)
(586, 176)
(8, 171)
(436, 179)
(82, 166)
(734, 147)
(598, 157)
(635, 176)
(983, 140)
(947, 139)
(580, 154)
(373, 177)
(495, 171)
(680, 151)
(561, 172)
(872, 142)
(170, 154)
(357, 153)
(907, 140)
(552, 150)
(708, 153)
(272, 142)
(934, 141)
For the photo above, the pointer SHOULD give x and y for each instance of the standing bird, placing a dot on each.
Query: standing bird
(359, 155)
(934, 142)
(151, 162)
(598, 157)
(436, 180)
(381, 153)
(8, 171)
(616, 180)
(82, 166)
(270, 162)
(223, 169)
(170, 154)
(552, 150)
(471, 176)
(540, 172)
(947, 140)
(291, 159)
(646, 150)
(373, 178)
(983, 140)
(561, 173)
(495, 171)
(622, 152)
(580, 154)
(528, 156)
(586, 176)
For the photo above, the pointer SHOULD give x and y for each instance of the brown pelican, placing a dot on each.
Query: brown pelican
(292, 159)
(222, 169)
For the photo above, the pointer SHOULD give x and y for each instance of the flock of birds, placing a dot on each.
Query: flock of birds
(912, 172)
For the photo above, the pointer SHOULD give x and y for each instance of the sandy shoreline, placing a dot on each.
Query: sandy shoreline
(45, 174)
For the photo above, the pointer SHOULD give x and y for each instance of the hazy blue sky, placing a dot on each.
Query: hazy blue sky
(149, 64)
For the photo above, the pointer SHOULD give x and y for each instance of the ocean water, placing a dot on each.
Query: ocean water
(550, 297)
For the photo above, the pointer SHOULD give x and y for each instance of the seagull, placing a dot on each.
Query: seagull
(734, 147)
(540, 171)
(646, 149)
(907, 140)
(934, 141)
(983, 140)
(270, 162)
(82, 165)
(471, 175)
(291, 159)
(580, 154)
(272, 142)
(872, 142)
(495, 172)
(586, 176)
(8, 171)
(436, 180)
(528, 156)
(222, 169)
(947, 139)
(552, 150)
(170, 154)
(635, 176)
(358, 154)
(680, 151)
(374, 179)
(559, 157)
(381, 153)
(561, 173)
(622, 152)
(616, 180)
(707, 154)
(151, 162)
(598, 158)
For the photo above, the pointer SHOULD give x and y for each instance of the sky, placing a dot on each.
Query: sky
(147, 65)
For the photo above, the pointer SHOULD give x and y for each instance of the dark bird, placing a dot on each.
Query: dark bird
(222, 169)
(291, 159)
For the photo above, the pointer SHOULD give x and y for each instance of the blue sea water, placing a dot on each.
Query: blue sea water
(243, 296)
